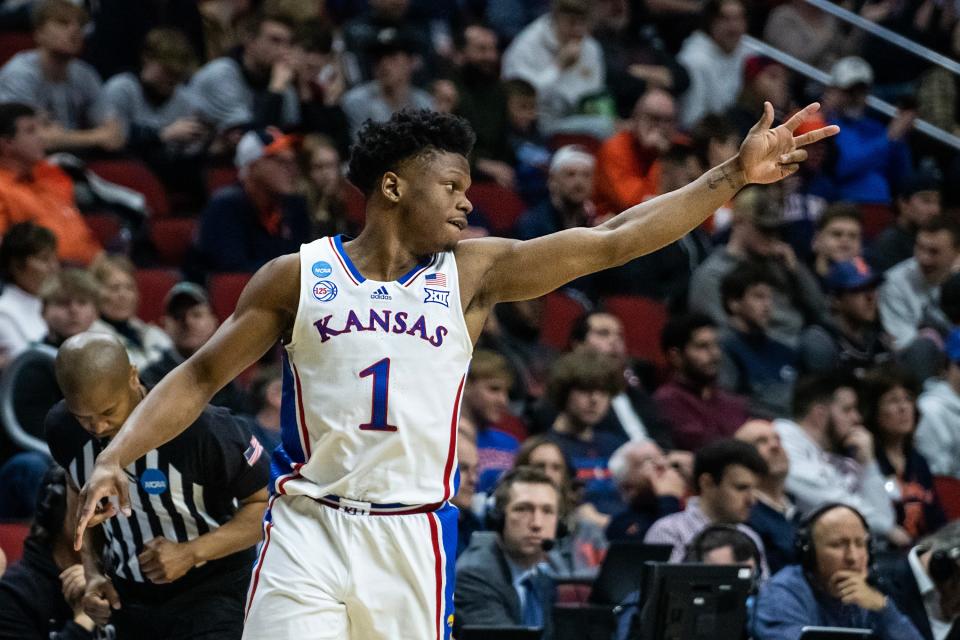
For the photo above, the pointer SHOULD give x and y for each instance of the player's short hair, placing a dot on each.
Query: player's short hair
(585, 371)
(47, 10)
(410, 133)
(69, 284)
(487, 365)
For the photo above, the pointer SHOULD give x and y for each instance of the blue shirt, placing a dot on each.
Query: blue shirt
(788, 602)
(591, 467)
(495, 453)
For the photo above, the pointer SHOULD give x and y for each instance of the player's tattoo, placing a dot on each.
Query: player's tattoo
(719, 175)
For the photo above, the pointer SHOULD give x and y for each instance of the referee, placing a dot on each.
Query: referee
(178, 565)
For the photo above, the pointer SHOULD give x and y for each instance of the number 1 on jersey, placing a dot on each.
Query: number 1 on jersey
(381, 382)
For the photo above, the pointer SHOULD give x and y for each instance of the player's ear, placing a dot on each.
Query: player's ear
(391, 186)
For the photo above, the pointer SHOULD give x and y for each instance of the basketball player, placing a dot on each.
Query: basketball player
(359, 540)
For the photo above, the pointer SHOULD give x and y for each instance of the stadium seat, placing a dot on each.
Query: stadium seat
(585, 140)
(225, 290)
(12, 535)
(154, 285)
(105, 226)
(172, 238)
(501, 206)
(219, 177)
(643, 320)
(560, 312)
(356, 204)
(948, 490)
(875, 218)
(13, 42)
(135, 175)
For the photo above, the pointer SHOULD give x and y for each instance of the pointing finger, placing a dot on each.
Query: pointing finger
(766, 120)
(800, 116)
(816, 135)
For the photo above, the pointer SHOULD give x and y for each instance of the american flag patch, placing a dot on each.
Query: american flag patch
(253, 452)
(436, 279)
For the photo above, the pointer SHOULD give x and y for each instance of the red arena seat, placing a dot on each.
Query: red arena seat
(501, 206)
(643, 320)
(225, 290)
(153, 285)
(135, 175)
(172, 238)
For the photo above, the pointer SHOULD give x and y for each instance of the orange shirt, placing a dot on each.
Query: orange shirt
(46, 199)
(626, 174)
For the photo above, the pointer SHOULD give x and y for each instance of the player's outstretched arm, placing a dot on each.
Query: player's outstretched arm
(265, 311)
(515, 270)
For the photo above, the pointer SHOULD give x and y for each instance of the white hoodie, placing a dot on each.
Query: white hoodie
(938, 434)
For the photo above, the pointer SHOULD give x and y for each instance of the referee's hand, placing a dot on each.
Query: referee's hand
(94, 505)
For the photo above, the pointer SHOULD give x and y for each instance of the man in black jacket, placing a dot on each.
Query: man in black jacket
(500, 581)
(925, 583)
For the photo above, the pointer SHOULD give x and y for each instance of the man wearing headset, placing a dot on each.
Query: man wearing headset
(830, 587)
(925, 583)
(500, 579)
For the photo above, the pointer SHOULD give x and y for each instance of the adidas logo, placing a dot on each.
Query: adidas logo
(381, 294)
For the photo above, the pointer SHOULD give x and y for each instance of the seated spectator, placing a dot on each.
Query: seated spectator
(69, 301)
(189, 321)
(627, 167)
(633, 414)
(246, 225)
(33, 190)
(838, 237)
(265, 398)
(579, 552)
(826, 420)
(558, 56)
(468, 522)
(764, 80)
(61, 88)
(362, 33)
(568, 205)
(483, 102)
(725, 474)
(41, 596)
(829, 588)
(872, 158)
(28, 257)
(485, 404)
(391, 88)
(937, 438)
(758, 219)
(648, 485)
(918, 203)
(253, 86)
(320, 84)
(21, 477)
(697, 410)
(910, 293)
(714, 57)
(923, 583)
(890, 413)
(754, 364)
(323, 183)
(500, 581)
(117, 304)
(529, 147)
(851, 339)
(773, 515)
(158, 111)
(581, 387)
(812, 35)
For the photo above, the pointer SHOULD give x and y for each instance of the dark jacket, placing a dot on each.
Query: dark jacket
(899, 584)
(485, 593)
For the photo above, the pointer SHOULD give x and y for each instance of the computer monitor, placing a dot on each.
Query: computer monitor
(695, 602)
(480, 632)
(622, 570)
(835, 633)
(583, 622)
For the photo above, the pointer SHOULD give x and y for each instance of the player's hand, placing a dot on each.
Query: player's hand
(99, 599)
(93, 505)
(163, 561)
(852, 588)
(768, 155)
(73, 584)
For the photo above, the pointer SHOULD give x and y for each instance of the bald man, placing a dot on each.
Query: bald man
(178, 565)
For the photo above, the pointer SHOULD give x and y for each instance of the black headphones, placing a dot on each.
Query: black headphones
(495, 519)
(943, 564)
(807, 552)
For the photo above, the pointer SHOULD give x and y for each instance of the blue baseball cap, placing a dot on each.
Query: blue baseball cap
(852, 275)
(952, 347)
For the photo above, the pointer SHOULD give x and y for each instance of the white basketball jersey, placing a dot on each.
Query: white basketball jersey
(373, 377)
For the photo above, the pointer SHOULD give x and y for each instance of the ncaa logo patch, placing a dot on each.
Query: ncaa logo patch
(438, 297)
(324, 291)
(321, 269)
(153, 481)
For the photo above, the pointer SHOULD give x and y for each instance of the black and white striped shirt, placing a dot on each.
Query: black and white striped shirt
(181, 490)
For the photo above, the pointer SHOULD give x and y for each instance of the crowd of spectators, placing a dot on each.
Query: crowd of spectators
(789, 386)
